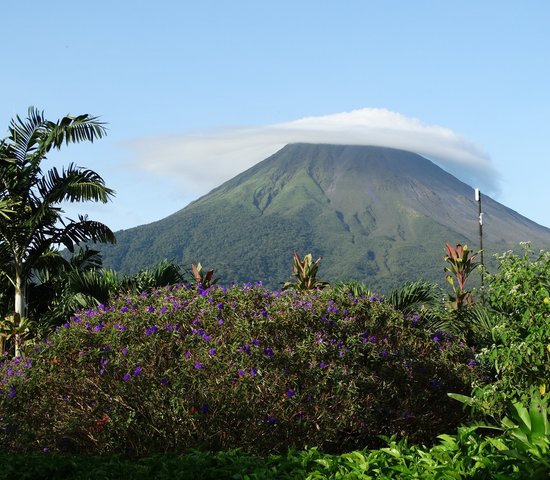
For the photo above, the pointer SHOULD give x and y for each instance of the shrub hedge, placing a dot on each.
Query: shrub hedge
(239, 367)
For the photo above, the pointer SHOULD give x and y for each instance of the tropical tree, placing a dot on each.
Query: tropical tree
(35, 220)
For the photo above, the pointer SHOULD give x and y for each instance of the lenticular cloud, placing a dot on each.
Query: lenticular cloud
(204, 161)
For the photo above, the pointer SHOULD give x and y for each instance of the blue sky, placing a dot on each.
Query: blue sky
(196, 91)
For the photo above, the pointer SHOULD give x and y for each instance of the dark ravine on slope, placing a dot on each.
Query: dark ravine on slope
(374, 214)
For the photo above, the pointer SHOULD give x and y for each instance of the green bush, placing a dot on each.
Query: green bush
(518, 354)
(242, 367)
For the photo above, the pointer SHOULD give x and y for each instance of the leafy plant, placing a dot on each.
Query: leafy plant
(203, 279)
(239, 367)
(517, 353)
(460, 265)
(16, 329)
(530, 429)
(305, 271)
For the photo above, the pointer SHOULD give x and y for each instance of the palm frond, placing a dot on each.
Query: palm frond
(25, 134)
(72, 130)
(73, 184)
(480, 321)
(83, 230)
(413, 295)
(353, 287)
(48, 265)
(164, 274)
(86, 259)
(100, 285)
(6, 208)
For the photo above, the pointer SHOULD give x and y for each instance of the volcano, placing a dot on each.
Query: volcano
(377, 215)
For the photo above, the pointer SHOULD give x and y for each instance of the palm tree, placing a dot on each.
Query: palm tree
(35, 221)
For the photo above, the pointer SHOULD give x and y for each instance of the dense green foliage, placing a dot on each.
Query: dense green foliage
(242, 367)
(466, 455)
(518, 351)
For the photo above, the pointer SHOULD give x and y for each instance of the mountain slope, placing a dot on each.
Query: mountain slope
(375, 214)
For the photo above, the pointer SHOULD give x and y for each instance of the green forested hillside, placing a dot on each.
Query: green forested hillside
(374, 214)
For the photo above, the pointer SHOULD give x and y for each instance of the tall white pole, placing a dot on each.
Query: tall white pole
(480, 217)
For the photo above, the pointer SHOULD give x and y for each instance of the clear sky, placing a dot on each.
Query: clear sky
(195, 92)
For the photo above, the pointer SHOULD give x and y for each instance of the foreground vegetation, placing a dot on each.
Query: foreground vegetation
(238, 367)
(253, 373)
(466, 455)
(157, 377)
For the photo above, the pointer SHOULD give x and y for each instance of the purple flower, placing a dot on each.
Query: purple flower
(163, 309)
(256, 342)
(323, 364)
(253, 371)
(436, 339)
(124, 351)
(220, 322)
(126, 377)
(11, 393)
(220, 306)
(150, 309)
(124, 309)
(240, 372)
(271, 420)
(204, 408)
(164, 381)
(198, 365)
(268, 351)
(472, 363)
(290, 393)
(137, 371)
(212, 351)
(99, 327)
(151, 330)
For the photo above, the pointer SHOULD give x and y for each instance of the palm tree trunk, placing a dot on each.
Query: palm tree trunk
(20, 307)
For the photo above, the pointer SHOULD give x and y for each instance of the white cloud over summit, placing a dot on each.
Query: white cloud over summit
(201, 161)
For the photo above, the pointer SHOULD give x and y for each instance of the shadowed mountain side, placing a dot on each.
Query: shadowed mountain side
(374, 214)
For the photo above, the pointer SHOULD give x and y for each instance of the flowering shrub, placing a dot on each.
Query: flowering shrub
(519, 353)
(242, 367)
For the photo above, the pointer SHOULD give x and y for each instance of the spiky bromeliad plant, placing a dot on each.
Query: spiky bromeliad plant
(305, 270)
